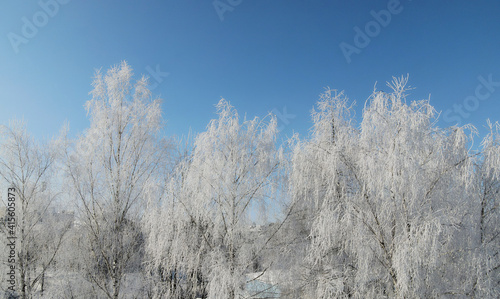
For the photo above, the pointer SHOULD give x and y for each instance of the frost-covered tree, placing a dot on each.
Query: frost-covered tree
(28, 169)
(175, 244)
(482, 233)
(109, 169)
(387, 196)
(314, 172)
(200, 236)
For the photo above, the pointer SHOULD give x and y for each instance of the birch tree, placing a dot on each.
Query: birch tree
(29, 168)
(483, 231)
(314, 172)
(109, 168)
(201, 230)
(387, 195)
(176, 240)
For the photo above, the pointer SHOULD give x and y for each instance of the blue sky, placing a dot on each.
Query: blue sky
(260, 55)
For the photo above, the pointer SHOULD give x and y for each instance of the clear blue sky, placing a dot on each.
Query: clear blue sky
(263, 55)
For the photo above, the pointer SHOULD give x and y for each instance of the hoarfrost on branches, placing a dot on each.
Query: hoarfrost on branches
(388, 206)
(109, 170)
(207, 210)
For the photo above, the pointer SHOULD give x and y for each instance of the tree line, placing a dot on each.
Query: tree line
(390, 207)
